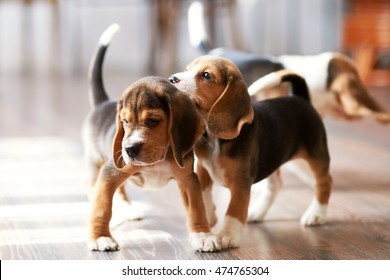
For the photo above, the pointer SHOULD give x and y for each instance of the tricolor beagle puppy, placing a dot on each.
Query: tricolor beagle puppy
(334, 83)
(147, 137)
(335, 86)
(246, 142)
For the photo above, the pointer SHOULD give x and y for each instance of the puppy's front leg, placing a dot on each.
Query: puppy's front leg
(100, 238)
(235, 217)
(206, 185)
(200, 235)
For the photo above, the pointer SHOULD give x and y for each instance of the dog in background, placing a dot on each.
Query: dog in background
(334, 83)
(147, 137)
(246, 142)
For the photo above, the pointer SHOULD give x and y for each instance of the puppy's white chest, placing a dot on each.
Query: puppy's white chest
(211, 163)
(155, 177)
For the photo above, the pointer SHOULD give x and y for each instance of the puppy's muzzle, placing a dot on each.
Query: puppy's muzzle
(174, 79)
(133, 149)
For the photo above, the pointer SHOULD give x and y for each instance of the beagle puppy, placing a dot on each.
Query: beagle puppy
(246, 142)
(147, 137)
(335, 86)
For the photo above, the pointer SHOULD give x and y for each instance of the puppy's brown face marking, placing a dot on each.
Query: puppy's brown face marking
(144, 119)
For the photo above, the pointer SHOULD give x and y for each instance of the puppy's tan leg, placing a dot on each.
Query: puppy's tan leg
(109, 179)
(355, 99)
(382, 117)
(236, 215)
(93, 169)
(200, 235)
(206, 185)
(317, 211)
(260, 203)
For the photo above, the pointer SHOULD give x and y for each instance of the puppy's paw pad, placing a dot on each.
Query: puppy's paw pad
(104, 244)
(204, 242)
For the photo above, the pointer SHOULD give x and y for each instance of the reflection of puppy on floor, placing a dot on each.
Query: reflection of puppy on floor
(146, 137)
(334, 83)
(245, 143)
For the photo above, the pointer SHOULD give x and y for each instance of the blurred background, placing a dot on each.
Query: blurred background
(45, 46)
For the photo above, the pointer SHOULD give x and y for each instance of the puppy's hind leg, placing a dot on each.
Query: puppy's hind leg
(123, 209)
(301, 169)
(263, 195)
(355, 99)
(316, 213)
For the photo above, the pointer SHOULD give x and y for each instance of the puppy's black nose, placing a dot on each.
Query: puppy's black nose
(174, 79)
(134, 149)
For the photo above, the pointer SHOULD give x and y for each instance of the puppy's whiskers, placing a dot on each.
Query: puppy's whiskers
(197, 99)
(120, 157)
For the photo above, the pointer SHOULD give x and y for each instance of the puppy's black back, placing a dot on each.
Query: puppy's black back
(282, 126)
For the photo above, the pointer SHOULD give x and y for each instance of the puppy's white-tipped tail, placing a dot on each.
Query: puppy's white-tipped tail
(97, 92)
(266, 82)
(197, 26)
(298, 83)
(109, 34)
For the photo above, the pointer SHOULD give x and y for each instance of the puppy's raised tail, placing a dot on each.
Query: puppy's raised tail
(97, 92)
(197, 27)
(298, 83)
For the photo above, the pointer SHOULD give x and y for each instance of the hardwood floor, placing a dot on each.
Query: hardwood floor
(44, 208)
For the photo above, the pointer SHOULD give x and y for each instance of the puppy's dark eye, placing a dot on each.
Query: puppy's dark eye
(206, 75)
(152, 122)
(125, 123)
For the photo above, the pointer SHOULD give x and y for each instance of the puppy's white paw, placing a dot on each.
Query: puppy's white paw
(204, 242)
(315, 215)
(230, 235)
(104, 244)
(229, 240)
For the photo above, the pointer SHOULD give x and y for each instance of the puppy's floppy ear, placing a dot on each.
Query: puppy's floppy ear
(185, 126)
(119, 134)
(231, 111)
